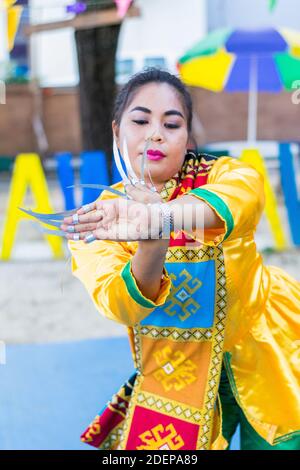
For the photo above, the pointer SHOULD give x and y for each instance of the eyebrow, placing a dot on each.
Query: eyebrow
(167, 113)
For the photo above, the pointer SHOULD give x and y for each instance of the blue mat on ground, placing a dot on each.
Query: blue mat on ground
(50, 393)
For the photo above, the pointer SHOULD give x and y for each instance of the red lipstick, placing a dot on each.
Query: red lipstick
(155, 155)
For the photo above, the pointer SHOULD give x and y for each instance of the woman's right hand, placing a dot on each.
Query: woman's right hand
(113, 219)
(142, 193)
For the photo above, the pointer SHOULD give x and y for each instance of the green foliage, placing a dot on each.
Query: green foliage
(272, 4)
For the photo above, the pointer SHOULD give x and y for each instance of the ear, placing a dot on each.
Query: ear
(115, 129)
(191, 143)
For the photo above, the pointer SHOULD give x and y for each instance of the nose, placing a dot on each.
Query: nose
(156, 135)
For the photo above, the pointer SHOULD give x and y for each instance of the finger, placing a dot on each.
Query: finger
(138, 193)
(76, 219)
(149, 186)
(90, 238)
(136, 186)
(129, 188)
(76, 236)
(87, 208)
(143, 187)
(140, 189)
(152, 188)
(79, 228)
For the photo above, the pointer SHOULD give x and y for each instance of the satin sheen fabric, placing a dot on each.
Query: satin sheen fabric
(262, 337)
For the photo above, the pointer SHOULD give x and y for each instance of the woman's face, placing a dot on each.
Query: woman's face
(157, 112)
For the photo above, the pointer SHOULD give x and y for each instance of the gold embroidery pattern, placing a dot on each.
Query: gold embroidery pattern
(192, 161)
(183, 253)
(94, 430)
(193, 334)
(168, 189)
(176, 372)
(153, 439)
(217, 338)
(172, 408)
(112, 440)
(217, 356)
(133, 401)
(182, 296)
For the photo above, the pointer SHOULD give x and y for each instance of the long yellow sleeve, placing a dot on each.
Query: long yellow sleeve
(235, 191)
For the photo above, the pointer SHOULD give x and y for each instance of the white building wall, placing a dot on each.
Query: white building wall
(166, 28)
(53, 54)
(252, 13)
(3, 34)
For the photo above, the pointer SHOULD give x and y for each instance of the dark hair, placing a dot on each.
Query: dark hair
(148, 76)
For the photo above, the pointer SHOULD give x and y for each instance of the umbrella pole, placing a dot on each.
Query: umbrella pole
(252, 102)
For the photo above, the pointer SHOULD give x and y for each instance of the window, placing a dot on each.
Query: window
(159, 62)
(124, 70)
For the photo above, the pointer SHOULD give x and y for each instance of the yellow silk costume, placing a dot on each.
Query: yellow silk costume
(261, 344)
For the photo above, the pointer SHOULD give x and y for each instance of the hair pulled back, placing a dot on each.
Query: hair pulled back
(152, 75)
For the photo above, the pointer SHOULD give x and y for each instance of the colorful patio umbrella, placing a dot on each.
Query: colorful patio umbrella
(10, 15)
(264, 60)
(272, 4)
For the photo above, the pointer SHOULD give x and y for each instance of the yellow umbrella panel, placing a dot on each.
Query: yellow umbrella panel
(209, 71)
(13, 20)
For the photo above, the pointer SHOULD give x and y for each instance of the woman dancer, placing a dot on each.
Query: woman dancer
(214, 333)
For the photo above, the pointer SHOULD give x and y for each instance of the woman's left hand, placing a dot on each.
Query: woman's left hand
(113, 219)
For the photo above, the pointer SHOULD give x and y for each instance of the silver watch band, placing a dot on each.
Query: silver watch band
(167, 221)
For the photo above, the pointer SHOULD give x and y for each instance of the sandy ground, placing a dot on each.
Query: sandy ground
(40, 300)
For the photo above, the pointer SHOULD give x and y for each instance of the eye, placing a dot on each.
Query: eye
(172, 126)
(140, 121)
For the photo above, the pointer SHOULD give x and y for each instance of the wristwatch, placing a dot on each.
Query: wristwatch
(167, 221)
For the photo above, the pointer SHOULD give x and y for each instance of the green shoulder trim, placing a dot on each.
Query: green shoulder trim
(218, 204)
(133, 288)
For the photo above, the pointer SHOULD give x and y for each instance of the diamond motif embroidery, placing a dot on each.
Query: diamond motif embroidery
(182, 295)
(168, 368)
